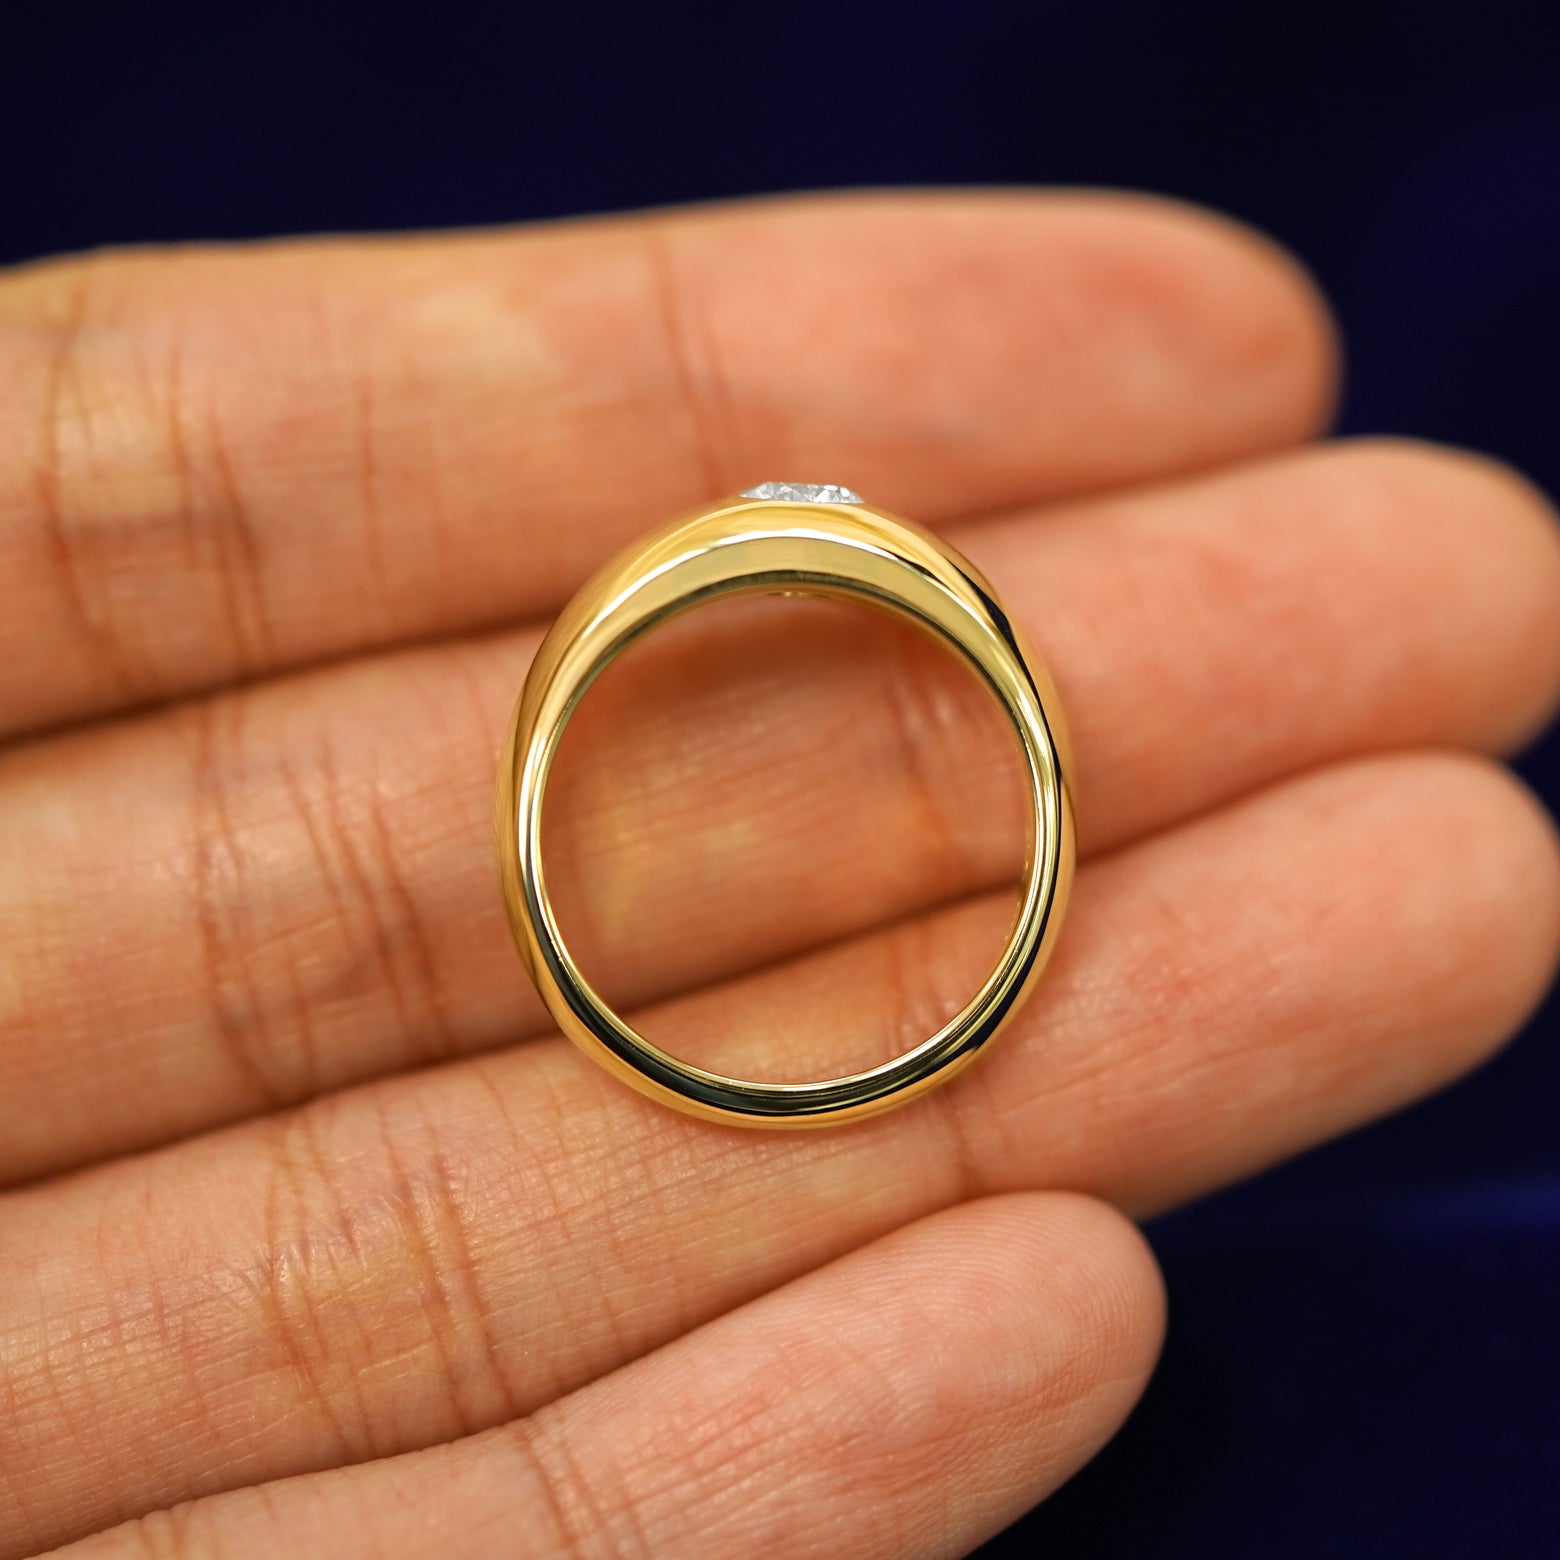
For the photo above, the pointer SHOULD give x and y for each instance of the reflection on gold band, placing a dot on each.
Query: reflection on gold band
(846, 550)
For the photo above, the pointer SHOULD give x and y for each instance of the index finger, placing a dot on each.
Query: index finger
(218, 462)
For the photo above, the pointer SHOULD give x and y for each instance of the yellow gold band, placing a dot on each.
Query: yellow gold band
(808, 547)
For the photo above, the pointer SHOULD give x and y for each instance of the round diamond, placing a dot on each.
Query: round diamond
(803, 492)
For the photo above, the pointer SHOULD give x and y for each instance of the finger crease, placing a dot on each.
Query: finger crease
(693, 369)
(50, 484)
(238, 556)
(218, 857)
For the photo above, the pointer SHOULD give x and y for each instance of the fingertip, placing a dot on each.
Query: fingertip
(1103, 1284)
(1477, 548)
(1457, 865)
(1012, 1336)
(1513, 894)
(1518, 535)
(1271, 317)
(1075, 1284)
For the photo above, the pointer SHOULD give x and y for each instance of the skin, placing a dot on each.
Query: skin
(315, 1240)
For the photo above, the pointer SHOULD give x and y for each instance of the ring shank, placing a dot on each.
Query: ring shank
(847, 551)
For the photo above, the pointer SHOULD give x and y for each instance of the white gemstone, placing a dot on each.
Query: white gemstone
(803, 493)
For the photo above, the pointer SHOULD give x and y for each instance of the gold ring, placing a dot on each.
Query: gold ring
(792, 539)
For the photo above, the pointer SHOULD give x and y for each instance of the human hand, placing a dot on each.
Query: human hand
(308, 1208)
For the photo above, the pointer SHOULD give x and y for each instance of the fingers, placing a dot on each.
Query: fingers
(220, 462)
(413, 1261)
(214, 913)
(907, 1401)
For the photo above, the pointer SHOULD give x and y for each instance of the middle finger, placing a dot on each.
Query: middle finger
(210, 913)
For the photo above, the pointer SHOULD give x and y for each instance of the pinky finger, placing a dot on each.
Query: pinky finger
(907, 1401)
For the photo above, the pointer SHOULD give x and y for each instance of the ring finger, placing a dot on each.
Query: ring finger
(416, 1259)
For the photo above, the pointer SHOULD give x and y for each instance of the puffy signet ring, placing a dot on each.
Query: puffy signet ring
(792, 539)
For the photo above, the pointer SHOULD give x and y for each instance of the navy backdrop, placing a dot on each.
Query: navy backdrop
(1363, 1356)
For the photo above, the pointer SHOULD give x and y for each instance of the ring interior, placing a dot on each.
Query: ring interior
(751, 1097)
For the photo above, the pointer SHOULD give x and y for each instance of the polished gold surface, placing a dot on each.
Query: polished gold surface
(845, 550)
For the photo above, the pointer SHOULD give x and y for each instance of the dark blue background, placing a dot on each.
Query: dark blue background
(1362, 1358)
